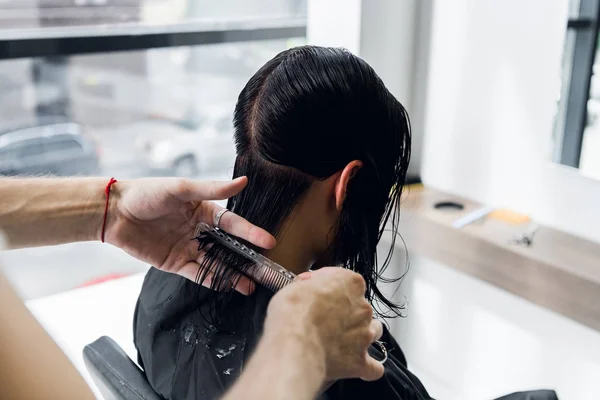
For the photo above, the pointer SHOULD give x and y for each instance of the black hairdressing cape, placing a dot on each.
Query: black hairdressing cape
(186, 358)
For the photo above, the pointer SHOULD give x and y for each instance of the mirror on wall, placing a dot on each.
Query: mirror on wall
(577, 125)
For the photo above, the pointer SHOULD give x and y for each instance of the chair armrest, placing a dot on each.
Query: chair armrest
(117, 377)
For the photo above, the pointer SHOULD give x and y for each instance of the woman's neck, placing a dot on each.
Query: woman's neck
(304, 236)
(294, 250)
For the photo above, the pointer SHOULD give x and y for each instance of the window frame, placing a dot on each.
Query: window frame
(67, 41)
(579, 57)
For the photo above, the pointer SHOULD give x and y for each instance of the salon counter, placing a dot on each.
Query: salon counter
(558, 271)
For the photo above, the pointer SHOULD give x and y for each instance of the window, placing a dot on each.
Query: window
(135, 91)
(577, 128)
(58, 64)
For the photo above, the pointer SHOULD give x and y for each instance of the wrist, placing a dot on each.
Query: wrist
(108, 217)
(51, 211)
(298, 365)
(306, 347)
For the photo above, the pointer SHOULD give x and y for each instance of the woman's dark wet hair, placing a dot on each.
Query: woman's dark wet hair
(302, 117)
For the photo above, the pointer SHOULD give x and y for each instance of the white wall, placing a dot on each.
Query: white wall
(334, 23)
(493, 82)
(387, 43)
(387, 39)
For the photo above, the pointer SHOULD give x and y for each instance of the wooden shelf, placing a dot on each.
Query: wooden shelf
(558, 271)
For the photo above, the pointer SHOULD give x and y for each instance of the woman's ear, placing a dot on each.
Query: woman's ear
(341, 186)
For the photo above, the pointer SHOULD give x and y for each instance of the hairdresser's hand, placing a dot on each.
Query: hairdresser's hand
(327, 311)
(154, 220)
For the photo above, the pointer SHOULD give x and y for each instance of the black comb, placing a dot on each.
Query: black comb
(264, 271)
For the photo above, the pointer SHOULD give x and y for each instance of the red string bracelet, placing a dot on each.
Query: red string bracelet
(107, 192)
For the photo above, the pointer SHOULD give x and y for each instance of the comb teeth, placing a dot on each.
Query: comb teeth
(273, 281)
(265, 272)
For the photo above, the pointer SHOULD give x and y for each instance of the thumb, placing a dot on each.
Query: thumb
(373, 370)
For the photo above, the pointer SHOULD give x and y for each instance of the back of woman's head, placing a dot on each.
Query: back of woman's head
(303, 117)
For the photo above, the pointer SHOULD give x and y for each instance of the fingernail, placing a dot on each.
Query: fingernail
(305, 275)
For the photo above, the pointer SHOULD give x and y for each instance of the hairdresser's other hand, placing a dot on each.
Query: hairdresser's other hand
(154, 220)
(327, 311)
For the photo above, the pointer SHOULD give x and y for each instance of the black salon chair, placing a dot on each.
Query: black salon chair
(117, 377)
